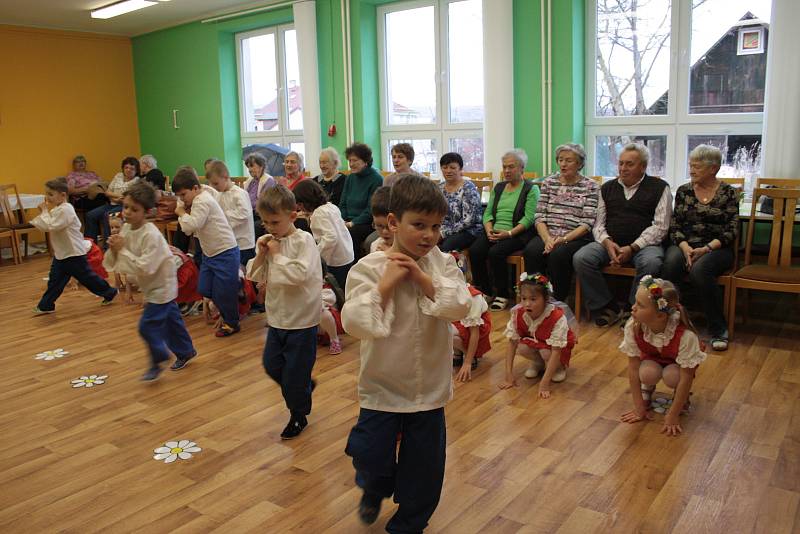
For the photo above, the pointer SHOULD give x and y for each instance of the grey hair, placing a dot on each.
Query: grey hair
(332, 154)
(518, 154)
(643, 151)
(300, 159)
(149, 160)
(576, 149)
(710, 155)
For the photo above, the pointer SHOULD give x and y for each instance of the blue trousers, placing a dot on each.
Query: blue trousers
(219, 281)
(340, 273)
(164, 331)
(590, 260)
(97, 218)
(288, 359)
(415, 476)
(60, 273)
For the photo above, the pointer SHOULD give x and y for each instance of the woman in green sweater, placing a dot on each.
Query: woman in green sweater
(358, 189)
(508, 226)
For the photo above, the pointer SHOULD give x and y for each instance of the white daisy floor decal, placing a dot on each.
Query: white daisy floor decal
(89, 381)
(661, 405)
(175, 450)
(50, 355)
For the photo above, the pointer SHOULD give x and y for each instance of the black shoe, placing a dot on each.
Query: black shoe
(607, 317)
(313, 385)
(369, 508)
(474, 364)
(294, 428)
(180, 363)
(151, 374)
(458, 360)
(107, 300)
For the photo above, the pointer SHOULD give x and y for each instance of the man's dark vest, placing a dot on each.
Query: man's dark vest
(627, 219)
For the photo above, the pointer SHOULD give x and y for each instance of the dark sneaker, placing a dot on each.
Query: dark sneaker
(180, 363)
(227, 330)
(474, 364)
(607, 317)
(369, 508)
(294, 427)
(458, 360)
(38, 311)
(108, 300)
(151, 374)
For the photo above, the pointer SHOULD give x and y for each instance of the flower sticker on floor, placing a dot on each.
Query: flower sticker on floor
(89, 381)
(173, 450)
(661, 405)
(49, 355)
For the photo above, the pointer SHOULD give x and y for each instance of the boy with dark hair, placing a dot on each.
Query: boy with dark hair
(379, 205)
(141, 250)
(288, 261)
(219, 270)
(69, 251)
(400, 305)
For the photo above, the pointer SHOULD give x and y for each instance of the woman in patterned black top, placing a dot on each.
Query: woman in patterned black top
(703, 235)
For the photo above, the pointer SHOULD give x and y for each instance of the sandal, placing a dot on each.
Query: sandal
(608, 317)
(499, 304)
(647, 393)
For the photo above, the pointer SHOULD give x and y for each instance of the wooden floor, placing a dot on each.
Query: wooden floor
(81, 460)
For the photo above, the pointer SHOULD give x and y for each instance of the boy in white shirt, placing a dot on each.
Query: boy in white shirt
(219, 270)
(288, 261)
(328, 228)
(236, 205)
(69, 251)
(400, 303)
(140, 250)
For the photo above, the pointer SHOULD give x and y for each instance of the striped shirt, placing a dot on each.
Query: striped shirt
(565, 207)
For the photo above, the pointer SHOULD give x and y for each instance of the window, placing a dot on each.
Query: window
(270, 98)
(672, 74)
(432, 111)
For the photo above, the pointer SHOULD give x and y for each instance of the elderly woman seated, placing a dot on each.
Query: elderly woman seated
(463, 222)
(564, 217)
(331, 180)
(508, 226)
(402, 158)
(702, 235)
(295, 167)
(78, 182)
(97, 218)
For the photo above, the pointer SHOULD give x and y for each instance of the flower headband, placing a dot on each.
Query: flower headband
(538, 279)
(656, 292)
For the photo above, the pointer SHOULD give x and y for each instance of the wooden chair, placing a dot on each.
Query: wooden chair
(530, 175)
(779, 274)
(780, 183)
(6, 231)
(477, 175)
(598, 179)
(167, 183)
(15, 219)
(480, 183)
(518, 262)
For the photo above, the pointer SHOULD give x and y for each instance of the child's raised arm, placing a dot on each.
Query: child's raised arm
(446, 293)
(368, 310)
(191, 222)
(51, 219)
(154, 251)
(256, 269)
(294, 270)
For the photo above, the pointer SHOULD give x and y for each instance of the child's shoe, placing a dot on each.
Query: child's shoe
(294, 427)
(37, 311)
(369, 508)
(180, 363)
(458, 358)
(152, 374)
(559, 376)
(335, 347)
(108, 300)
(227, 330)
(537, 366)
(474, 364)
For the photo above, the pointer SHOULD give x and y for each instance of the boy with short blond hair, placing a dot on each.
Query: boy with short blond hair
(236, 205)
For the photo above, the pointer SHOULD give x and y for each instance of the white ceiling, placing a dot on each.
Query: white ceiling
(74, 14)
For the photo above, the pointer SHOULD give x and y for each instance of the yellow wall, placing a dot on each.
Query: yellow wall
(62, 94)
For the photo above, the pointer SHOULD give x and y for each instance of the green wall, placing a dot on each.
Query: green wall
(192, 68)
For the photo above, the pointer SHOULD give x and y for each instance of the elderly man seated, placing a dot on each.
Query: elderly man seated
(633, 216)
(151, 173)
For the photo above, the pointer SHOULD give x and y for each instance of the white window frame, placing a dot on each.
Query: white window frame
(678, 123)
(283, 135)
(442, 130)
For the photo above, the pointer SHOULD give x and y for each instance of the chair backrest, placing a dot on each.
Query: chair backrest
(780, 243)
(7, 217)
(239, 180)
(735, 182)
(167, 183)
(480, 183)
(530, 175)
(477, 175)
(385, 173)
(11, 189)
(598, 179)
(780, 183)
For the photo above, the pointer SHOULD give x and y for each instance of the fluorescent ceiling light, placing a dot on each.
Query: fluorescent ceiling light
(120, 8)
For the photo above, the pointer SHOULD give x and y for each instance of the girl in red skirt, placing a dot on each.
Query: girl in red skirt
(539, 330)
(330, 322)
(471, 336)
(661, 344)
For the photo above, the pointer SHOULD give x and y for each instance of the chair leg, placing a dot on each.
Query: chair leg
(577, 299)
(731, 311)
(726, 298)
(15, 251)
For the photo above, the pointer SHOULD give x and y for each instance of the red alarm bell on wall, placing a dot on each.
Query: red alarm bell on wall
(331, 130)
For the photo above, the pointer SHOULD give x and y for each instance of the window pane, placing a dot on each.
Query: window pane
(741, 155)
(632, 64)
(426, 154)
(260, 83)
(411, 66)
(608, 147)
(298, 147)
(728, 55)
(471, 149)
(465, 26)
(294, 100)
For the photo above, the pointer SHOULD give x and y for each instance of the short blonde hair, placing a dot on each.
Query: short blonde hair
(276, 200)
(708, 154)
